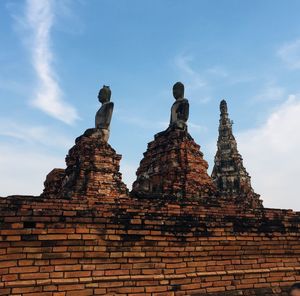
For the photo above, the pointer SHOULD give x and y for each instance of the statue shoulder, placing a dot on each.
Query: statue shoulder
(108, 106)
(184, 103)
(111, 105)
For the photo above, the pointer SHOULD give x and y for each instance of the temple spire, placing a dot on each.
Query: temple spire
(229, 174)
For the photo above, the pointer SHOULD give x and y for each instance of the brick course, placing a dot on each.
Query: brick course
(141, 247)
(86, 236)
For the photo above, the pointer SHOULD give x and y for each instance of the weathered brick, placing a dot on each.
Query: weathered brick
(161, 246)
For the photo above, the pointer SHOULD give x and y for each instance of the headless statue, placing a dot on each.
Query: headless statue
(180, 109)
(104, 114)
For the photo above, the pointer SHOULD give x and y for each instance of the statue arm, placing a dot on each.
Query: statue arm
(187, 110)
(171, 117)
(108, 111)
(184, 111)
(103, 116)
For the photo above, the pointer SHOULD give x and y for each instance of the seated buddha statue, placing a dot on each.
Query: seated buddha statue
(180, 109)
(104, 114)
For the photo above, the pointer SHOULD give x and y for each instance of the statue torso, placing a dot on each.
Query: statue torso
(179, 113)
(103, 116)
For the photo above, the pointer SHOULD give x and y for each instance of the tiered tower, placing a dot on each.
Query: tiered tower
(93, 169)
(229, 174)
(173, 164)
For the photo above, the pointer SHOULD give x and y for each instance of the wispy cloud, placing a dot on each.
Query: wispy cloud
(23, 169)
(290, 54)
(194, 79)
(142, 122)
(32, 134)
(27, 154)
(39, 18)
(197, 128)
(271, 154)
(218, 71)
(270, 92)
(196, 85)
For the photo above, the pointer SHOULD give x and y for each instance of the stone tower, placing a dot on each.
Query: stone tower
(229, 174)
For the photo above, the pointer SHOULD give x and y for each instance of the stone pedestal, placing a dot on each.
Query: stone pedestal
(173, 165)
(92, 170)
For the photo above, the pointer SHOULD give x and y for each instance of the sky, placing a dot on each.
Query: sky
(55, 55)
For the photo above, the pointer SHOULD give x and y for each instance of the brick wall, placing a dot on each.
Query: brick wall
(145, 247)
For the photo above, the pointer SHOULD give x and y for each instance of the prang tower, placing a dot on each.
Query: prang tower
(229, 174)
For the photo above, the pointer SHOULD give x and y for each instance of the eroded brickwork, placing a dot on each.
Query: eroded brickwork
(93, 171)
(173, 165)
(145, 247)
(229, 174)
(174, 235)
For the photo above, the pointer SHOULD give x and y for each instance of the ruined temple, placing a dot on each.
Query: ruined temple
(229, 174)
(178, 232)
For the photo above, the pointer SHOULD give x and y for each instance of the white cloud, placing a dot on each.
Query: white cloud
(39, 17)
(34, 134)
(271, 92)
(271, 154)
(197, 81)
(128, 171)
(193, 78)
(142, 122)
(197, 128)
(218, 71)
(23, 169)
(27, 154)
(290, 54)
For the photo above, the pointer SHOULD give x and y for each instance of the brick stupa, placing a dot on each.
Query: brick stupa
(173, 165)
(92, 171)
(229, 174)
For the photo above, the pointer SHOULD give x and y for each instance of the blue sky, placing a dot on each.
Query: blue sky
(55, 55)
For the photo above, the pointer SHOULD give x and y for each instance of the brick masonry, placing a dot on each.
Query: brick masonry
(173, 165)
(145, 247)
(85, 235)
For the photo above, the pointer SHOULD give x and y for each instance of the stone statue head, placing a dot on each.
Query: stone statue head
(223, 107)
(104, 94)
(178, 90)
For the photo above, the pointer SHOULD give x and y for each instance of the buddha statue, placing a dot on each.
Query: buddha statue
(180, 109)
(104, 114)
